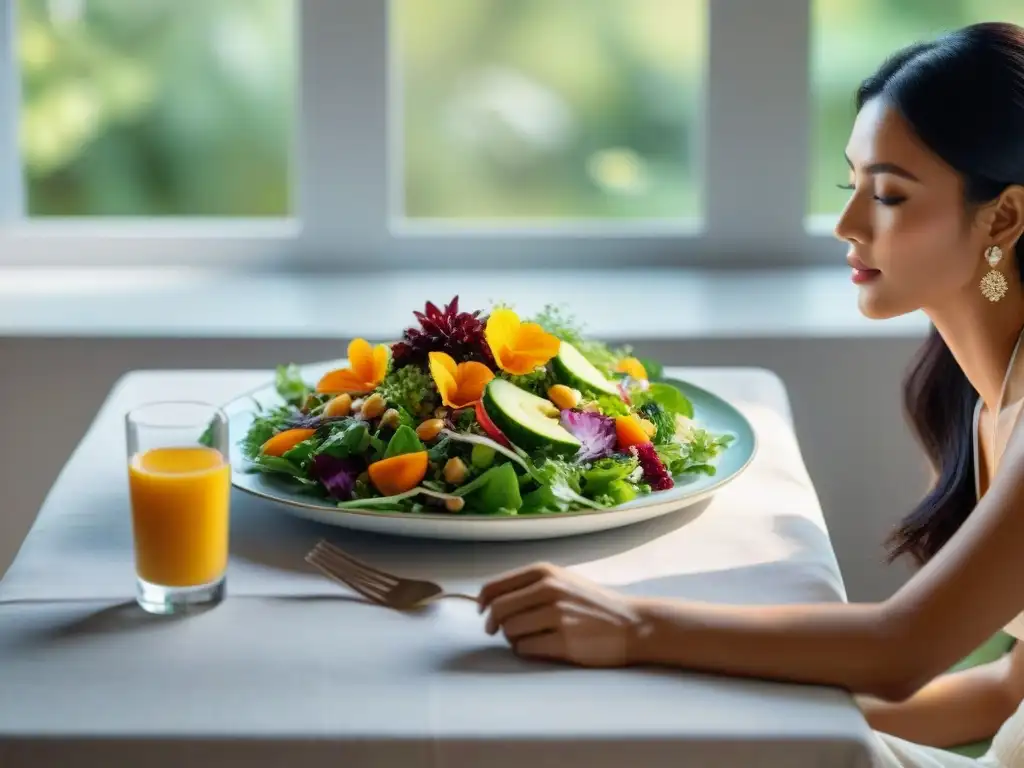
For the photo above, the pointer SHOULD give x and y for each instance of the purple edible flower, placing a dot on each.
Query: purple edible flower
(595, 431)
(337, 475)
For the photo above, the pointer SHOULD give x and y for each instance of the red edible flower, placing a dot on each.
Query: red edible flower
(655, 473)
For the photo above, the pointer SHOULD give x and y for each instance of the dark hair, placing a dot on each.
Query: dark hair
(963, 95)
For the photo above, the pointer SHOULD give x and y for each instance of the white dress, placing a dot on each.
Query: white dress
(1007, 749)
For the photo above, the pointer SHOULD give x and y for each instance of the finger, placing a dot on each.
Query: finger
(538, 620)
(545, 646)
(511, 581)
(535, 595)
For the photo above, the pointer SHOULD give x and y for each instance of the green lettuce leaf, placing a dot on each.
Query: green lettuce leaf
(669, 398)
(495, 491)
(405, 440)
(289, 385)
(264, 426)
(275, 464)
(301, 454)
(598, 479)
(347, 438)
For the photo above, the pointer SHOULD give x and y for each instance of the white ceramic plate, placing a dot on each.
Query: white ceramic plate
(710, 411)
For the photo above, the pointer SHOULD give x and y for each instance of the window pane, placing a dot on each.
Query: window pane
(550, 108)
(157, 107)
(851, 38)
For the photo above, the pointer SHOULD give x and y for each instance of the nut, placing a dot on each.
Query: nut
(373, 406)
(564, 397)
(429, 429)
(455, 471)
(391, 419)
(338, 407)
(454, 503)
(649, 429)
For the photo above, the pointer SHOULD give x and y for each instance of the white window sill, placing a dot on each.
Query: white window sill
(616, 305)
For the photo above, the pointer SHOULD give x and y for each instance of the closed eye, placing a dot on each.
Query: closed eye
(889, 200)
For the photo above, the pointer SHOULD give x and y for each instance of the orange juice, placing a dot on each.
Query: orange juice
(180, 515)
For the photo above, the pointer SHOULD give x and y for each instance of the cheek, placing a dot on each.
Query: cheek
(923, 241)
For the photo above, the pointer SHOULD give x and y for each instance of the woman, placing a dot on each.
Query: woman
(934, 222)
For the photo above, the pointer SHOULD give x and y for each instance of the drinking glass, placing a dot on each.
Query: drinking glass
(179, 478)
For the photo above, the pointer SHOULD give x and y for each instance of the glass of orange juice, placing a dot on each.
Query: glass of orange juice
(179, 479)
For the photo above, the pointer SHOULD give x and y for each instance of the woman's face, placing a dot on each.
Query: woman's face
(911, 245)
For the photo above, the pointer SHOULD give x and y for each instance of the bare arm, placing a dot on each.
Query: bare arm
(971, 588)
(954, 709)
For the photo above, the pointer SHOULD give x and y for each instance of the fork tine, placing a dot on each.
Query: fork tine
(347, 570)
(369, 594)
(326, 546)
(336, 557)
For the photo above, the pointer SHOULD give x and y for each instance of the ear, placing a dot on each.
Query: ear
(1004, 217)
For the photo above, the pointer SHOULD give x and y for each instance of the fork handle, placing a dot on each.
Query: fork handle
(460, 595)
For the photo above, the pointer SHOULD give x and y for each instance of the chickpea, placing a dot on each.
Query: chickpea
(455, 471)
(373, 407)
(429, 429)
(564, 397)
(391, 419)
(338, 407)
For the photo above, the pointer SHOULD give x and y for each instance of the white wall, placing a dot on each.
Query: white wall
(845, 395)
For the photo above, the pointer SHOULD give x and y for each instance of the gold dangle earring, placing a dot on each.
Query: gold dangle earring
(993, 284)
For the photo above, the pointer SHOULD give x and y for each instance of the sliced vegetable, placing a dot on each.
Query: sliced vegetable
(573, 369)
(488, 426)
(530, 422)
(283, 442)
(629, 432)
(398, 474)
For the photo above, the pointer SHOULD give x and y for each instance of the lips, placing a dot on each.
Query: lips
(859, 265)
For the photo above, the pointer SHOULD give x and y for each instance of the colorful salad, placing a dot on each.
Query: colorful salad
(472, 414)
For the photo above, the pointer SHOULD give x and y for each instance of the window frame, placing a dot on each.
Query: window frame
(753, 170)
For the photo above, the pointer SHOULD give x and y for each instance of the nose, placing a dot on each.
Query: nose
(854, 225)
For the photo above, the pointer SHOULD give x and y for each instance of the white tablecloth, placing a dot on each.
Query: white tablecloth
(292, 671)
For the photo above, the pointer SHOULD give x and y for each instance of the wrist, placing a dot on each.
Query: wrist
(641, 633)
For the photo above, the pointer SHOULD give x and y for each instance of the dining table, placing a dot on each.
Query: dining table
(293, 669)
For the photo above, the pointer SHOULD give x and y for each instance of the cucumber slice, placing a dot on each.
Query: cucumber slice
(529, 421)
(572, 368)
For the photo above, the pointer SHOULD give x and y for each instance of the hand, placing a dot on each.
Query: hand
(547, 612)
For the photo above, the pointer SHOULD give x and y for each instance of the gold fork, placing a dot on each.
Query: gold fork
(378, 586)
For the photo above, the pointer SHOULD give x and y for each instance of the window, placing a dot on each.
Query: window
(549, 109)
(850, 39)
(156, 108)
(331, 134)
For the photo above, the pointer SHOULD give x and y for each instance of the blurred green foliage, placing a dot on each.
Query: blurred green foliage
(532, 109)
(157, 107)
(850, 39)
(551, 108)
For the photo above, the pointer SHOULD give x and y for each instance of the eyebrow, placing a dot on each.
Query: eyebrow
(895, 170)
